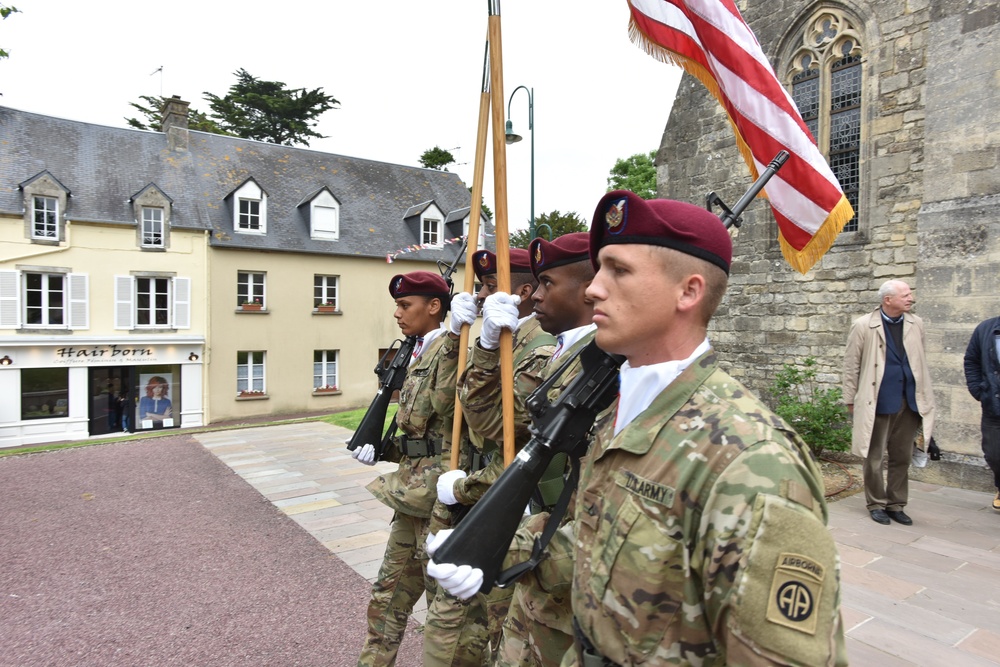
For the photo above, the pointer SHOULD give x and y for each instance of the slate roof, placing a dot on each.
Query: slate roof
(104, 166)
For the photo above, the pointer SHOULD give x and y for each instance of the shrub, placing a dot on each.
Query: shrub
(817, 414)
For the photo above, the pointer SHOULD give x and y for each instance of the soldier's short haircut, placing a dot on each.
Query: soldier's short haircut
(679, 265)
(521, 278)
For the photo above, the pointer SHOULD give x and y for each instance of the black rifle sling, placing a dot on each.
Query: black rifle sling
(513, 573)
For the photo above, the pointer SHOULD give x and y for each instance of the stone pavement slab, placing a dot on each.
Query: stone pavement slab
(922, 595)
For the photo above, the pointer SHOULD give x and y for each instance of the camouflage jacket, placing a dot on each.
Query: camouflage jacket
(479, 387)
(426, 410)
(546, 589)
(480, 394)
(700, 535)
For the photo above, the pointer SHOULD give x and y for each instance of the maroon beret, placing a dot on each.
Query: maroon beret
(418, 283)
(566, 249)
(625, 217)
(484, 262)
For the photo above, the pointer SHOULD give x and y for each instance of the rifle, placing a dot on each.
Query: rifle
(484, 536)
(391, 377)
(447, 270)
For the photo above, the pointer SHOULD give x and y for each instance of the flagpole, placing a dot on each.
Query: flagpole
(503, 240)
(470, 275)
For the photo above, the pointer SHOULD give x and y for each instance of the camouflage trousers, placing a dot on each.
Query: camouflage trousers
(497, 603)
(455, 632)
(402, 579)
(525, 641)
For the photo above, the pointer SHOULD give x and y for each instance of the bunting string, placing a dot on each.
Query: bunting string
(391, 257)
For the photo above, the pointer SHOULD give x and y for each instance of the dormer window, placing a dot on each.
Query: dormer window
(45, 218)
(426, 222)
(431, 232)
(45, 201)
(152, 227)
(324, 216)
(249, 215)
(152, 210)
(250, 210)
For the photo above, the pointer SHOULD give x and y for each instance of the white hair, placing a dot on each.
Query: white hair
(888, 288)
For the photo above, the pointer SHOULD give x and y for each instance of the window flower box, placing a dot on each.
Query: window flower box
(326, 308)
(326, 390)
(251, 393)
(251, 305)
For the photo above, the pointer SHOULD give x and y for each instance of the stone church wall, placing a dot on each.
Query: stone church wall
(929, 199)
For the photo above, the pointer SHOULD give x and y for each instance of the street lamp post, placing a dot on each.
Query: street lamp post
(512, 138)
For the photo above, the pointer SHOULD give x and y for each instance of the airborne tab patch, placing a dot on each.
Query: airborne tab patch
(644, 488)
(795, 592)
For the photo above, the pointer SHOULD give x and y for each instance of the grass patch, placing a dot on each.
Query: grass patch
(145, 435)
(352, 418)
(348, 420)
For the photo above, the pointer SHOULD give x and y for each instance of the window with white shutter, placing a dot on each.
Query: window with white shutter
(124, 311)
(182, 303)
(10, 302)
(79, 313)
(154, 302)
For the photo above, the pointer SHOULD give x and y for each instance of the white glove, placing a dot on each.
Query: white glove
(463, 311)
(435, 540)
(365, 454)
(446, 486)
(462, 581)
(499, 312)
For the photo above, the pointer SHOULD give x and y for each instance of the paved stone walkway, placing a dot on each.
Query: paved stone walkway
(925, 595)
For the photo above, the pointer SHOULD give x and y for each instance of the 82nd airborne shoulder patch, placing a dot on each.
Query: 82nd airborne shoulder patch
(795, 592)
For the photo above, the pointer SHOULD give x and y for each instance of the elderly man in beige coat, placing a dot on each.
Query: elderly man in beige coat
(887, 388)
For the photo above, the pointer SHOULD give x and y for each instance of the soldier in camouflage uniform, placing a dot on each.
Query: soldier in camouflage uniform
(425, 414)
(458, 632)
(700, 532)
(537, 630)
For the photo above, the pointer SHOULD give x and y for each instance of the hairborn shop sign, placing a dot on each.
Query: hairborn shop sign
(80, 355)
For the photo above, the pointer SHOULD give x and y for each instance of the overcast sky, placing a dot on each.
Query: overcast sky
(407, 74)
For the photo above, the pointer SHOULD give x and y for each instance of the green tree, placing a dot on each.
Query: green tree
(6, 11)
(437, 158)
(268, 111)
(252, 109)
(636, 173)
(153, 108)
(558, 223)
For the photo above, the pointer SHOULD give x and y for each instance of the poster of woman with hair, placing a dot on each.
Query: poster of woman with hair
(155, 409)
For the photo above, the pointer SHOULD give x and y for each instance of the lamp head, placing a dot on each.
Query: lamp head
(511, 138)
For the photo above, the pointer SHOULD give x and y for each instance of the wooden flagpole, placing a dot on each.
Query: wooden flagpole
(470, 275)
(503, 240)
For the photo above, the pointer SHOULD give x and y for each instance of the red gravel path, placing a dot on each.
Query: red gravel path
(154, 553)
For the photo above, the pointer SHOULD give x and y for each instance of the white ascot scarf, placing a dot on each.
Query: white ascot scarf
(640, 386)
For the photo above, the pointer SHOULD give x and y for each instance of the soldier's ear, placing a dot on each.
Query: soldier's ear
(691, 292)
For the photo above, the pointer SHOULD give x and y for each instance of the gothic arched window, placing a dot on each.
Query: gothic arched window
(825, 78)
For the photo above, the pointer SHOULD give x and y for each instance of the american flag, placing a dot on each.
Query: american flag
(710, 40)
